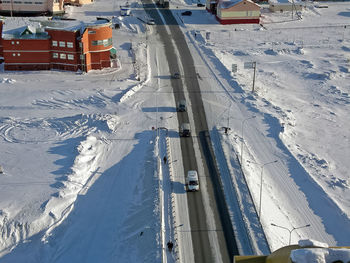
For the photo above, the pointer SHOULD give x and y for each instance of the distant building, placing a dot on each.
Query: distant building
(78, 2)
(31, 7)
(59, 45)
(285, 5)
(238, 12)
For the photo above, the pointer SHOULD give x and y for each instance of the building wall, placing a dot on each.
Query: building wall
(78, 2)
(26, 54)
(64, 49)
(244, 12)
(61, 49)
(31, 6)
(97, 42)
(278, 7)
(1, 45)
(238, 21)
(239, 14)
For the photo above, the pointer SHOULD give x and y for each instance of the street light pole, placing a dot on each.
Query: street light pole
(261, 185)
(243, 138)
(290, 230)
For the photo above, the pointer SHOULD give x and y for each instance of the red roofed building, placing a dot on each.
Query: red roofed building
(238, 12)
(58, 45)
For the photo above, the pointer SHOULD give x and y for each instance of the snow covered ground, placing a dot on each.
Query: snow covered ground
(80, 158)
(301, 106)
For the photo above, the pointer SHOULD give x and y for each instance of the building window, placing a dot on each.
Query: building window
(38, 3)
(70, 57)
(28, 3)
(17, 2)
(55, 55)
(92, 32)
(82, 57)
(94, 43)
(107, 42)
(62, 56)
(54, 43)
(80, 44)
(62, 44)
(99, 42)
(70, 44)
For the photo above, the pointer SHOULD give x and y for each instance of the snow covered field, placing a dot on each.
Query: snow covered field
(301, 109)
(79, 154)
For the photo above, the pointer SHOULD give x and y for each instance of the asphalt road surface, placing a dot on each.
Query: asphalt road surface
(198, 218)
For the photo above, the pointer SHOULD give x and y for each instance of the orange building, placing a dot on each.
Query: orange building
(58, 45)
(96, 45)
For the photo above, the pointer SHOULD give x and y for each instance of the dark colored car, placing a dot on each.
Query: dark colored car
(181, 107)
(186, 13)
(176, 75)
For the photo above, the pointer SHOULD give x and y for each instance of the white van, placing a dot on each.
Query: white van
(192, 181)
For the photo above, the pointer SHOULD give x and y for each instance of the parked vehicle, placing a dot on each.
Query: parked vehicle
(185, 130)
(192, 181)
(181, 106)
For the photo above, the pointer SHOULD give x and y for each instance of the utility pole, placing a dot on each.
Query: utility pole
(254, 66)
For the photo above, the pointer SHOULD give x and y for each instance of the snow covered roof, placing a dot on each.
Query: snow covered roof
(228, 4)
(26, 32)
(38, 32)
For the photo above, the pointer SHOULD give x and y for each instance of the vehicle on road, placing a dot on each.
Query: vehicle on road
(181, 106)
(186, 13)
(151, 21)
(192, 181)
(176, 75)
(185, 130)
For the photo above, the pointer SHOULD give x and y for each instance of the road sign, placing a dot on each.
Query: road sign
(234, 68)
(249, 65)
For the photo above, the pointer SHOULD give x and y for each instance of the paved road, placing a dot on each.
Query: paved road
(198, 217)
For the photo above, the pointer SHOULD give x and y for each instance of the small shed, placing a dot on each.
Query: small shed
(238, 12)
